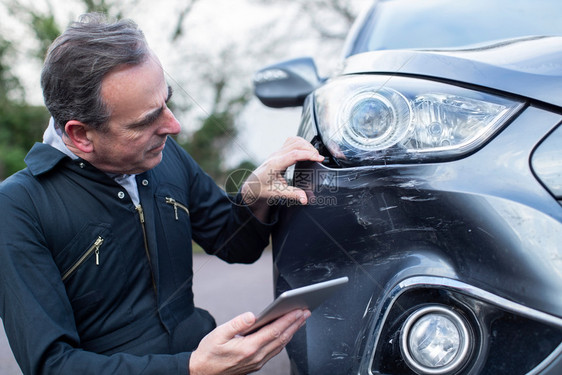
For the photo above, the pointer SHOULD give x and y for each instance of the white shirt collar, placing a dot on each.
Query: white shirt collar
(53, 137)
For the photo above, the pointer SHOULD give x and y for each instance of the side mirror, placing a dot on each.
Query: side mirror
(286, 84)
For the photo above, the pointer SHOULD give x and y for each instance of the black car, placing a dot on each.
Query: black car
(440, 195)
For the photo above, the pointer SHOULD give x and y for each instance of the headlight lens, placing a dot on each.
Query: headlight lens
(435, 340)
(376, 120)
(370, 119)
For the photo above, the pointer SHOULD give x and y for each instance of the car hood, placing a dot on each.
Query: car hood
(530, 67)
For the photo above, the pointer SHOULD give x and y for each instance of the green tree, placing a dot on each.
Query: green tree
(208, 143)
(21, 124)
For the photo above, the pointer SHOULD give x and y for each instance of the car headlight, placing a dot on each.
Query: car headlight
(382, 119)
(435, 340)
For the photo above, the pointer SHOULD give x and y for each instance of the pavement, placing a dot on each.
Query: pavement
(226, 290)
(8, 365)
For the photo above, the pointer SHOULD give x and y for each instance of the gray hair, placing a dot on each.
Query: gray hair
(79, 59)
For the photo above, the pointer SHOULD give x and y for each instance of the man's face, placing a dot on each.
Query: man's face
(140, 120)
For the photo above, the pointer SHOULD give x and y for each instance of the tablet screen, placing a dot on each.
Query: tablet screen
(307, 297)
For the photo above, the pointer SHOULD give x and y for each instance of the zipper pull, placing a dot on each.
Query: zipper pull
(172, 201)
(97, 246)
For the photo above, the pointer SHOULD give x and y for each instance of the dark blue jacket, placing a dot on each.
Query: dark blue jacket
(91, 284)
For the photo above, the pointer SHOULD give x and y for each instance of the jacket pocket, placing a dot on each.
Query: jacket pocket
(87, 249)
(94, 249)
(92, 268)
(177, 206)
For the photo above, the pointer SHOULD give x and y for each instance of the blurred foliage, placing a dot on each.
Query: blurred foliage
(42, 25)
(331, 19)
(182, 15)
(9, 84)
(21, 124)
(97, 6)
(208, 143)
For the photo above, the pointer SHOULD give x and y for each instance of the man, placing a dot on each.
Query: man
(95, 235)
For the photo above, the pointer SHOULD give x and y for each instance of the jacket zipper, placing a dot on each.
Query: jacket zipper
(176, 204)
(141, 218)
(95, 248)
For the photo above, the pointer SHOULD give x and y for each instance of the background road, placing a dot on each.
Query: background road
(226, 290)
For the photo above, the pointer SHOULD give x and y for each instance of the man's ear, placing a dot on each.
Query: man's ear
(78, 132)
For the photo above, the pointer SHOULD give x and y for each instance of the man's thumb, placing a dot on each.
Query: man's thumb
(241, 323)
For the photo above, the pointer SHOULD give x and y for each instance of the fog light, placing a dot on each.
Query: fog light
(435, 340)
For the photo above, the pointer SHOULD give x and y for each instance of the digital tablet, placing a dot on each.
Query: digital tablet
(307, 297)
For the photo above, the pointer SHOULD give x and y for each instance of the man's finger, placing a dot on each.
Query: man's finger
(282, 331)
(236, 326)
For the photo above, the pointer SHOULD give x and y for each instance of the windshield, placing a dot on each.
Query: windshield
(398, 24)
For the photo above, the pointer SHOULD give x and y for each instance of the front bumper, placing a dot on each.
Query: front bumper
(480, 233)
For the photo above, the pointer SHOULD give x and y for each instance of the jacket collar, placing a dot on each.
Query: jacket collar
(42, 158)
(45, 156)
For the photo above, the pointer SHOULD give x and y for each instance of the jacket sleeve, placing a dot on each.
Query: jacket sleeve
(222, 224)
(36, 312)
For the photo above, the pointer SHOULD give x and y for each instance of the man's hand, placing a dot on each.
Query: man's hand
(267, 180)
(223, 351)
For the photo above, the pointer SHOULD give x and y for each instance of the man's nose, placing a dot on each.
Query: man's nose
(169, 125)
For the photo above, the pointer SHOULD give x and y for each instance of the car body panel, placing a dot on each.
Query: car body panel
(479, 232)
(512, 66)
(453, 220)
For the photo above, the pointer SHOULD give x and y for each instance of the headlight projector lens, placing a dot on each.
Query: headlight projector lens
(376, 120)
(435, 340)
